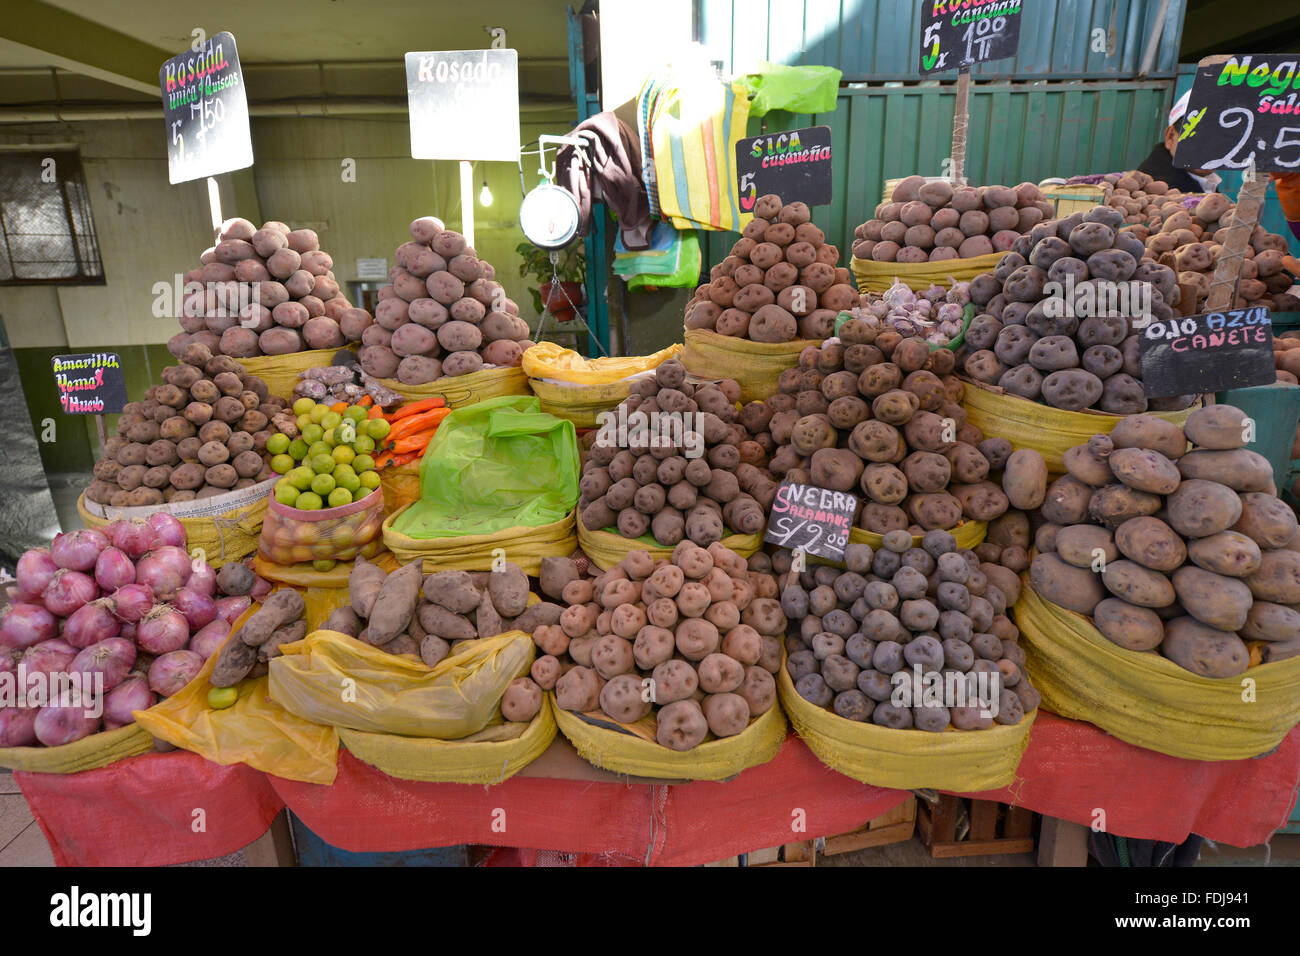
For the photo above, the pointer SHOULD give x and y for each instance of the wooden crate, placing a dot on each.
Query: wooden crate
(893, 826)
(1077, 198)
(995, 828)
(792, 854)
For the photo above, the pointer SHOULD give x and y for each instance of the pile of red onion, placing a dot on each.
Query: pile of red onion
(128, 603)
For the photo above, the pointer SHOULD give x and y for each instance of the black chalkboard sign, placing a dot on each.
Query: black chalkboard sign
(90, 384)
(795, 165)
(1244, 109)
(815, 520)
(957, 34)
(1207, 353)
(464, 104)
(206, 111)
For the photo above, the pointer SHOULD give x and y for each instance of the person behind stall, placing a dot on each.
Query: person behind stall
(1160, 163)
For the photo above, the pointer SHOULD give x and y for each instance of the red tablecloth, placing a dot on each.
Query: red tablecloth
(142, 810)
(152, 810)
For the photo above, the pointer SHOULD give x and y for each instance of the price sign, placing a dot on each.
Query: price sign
(1207, 353)
(1243, 109)
(957, 34)
(814, 520)
(205, 111)
(91, 384)
(464, 104)
(794, 165)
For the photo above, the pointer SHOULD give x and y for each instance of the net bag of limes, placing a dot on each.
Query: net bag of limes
(497, 474)
(327, 505)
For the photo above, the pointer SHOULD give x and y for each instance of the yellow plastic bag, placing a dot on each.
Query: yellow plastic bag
(756, 366)
(88, 753)
(304, 576)
(461, 390)
(391, 694)
(1150, 701)
(550, 361)
(280, 372)
(523, 546)
(875, 276)
(606, 549)
(962, 761)
(226, 527)
(632, 748)
(488, 757)
(1050, 431)
(401, 485)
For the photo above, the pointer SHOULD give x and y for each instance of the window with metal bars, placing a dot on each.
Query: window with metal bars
(46, 231)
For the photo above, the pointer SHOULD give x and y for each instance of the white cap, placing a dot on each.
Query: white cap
(1180, 108)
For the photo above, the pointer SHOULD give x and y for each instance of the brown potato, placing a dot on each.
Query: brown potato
(1229, 553)
(1086, 546)
(1199, 508)
(1024, 479)
(1129, 626)
(1075, 589)
(1204, 650)
(1135, 584)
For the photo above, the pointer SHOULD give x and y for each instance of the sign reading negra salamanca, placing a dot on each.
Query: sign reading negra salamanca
(91, 384)
(795, 166)
(1246, 108)
(206, 111)
(957, 34)
(1207, 353)
(464, 104)
(815, 520)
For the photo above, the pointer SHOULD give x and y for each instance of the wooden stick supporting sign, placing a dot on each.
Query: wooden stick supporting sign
(1223, 285)
(960, 122)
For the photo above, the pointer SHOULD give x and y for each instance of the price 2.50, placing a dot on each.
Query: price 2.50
(1288, 137)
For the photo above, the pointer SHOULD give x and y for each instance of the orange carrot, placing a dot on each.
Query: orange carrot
(339, 407)
(375, 412)
(418, 423)
(414, 442)
(416, 408)
(389, 460)
(366, 401)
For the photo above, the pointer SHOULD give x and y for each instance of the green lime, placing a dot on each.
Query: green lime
(303, 422)
(301, 477)
(340, 497)
(322, 464)
(219, 698)
(344, 455)
(312, 433)
(345, 432)
(285, 492)
(377, 428)
(323, 485)
(346, 479)
(303, 406)
(318, 413)
(355, 413)
(323, 564)
(369, 480)
(282, 464)
(317, 448)
(364, 445)
(298, 449)
(309, 501)
(330, 420)
(278, 444)
(330, 438)
(362, 463)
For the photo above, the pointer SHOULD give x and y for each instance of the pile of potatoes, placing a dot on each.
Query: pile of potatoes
(890, 610)
(879, 415)
(1186, 552)
(651, 484)
(1143, 200)
(781, 281)
(694, 640)
(267, 291)
(933, 221)
(201, 433)
(442, 314)
(1028, 342)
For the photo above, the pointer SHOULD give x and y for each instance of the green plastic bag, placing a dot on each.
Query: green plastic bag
(499, 464)
(798, 89)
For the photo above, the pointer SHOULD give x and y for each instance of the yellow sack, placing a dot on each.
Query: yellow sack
(392, 694)
(580, 404)
(280, 372)
(754, 365)
(962, 761)
(487, 757)
(1150, 701)
(875, 276)
(968, 535)
(1050, 431)
(606, 549)
(225, 527)
(401, 485)
(88, 753)
(523, 546)
(550, 361)
(304, 576)
(633, 750)
(461, 390)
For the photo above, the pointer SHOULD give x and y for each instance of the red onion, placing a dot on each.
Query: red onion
(131, 695)
(198, 608)
(133, 537)
(113, 658)
(229, 608)
(18, 726)
(48, 657)
(261, 588)
(202, 578)
(78, 550)
(210, 638)
(62, 724)
(166, 529)
(113, 569)
(35, 569)
(9, 658)
(127, 633)
(132, 602)
(91, 623)
(169, 673)
(69, 590)
(164, 569)
(22, 625)
(162, 630)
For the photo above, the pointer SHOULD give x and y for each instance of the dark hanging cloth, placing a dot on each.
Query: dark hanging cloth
(608, 170)
(1160, 165)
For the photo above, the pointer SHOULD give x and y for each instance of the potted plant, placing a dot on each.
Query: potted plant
(558, 285)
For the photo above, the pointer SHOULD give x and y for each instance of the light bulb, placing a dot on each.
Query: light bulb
(485, 197)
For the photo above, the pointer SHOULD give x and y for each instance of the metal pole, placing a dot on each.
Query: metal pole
(1153, 41)
(467, 201)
